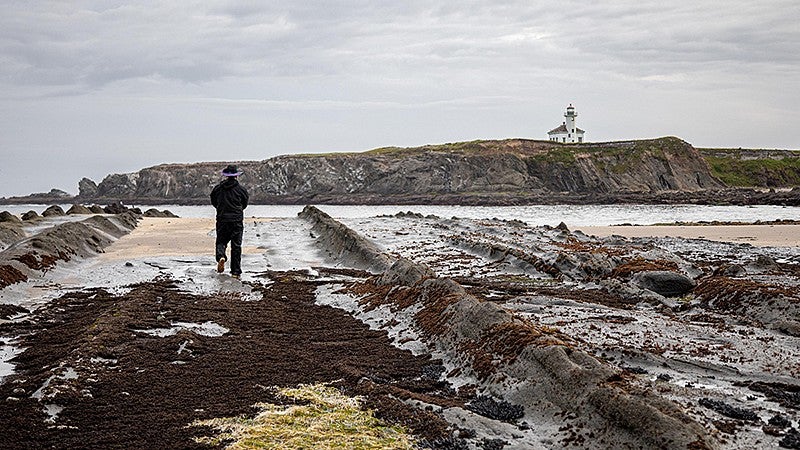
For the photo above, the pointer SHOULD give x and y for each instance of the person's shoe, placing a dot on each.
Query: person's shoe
(236, 275)
(221, 265)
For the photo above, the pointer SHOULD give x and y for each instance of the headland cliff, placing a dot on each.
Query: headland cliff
(487, 172)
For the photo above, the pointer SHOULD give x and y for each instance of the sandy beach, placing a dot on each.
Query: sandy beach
(758, 235)
(170, 237)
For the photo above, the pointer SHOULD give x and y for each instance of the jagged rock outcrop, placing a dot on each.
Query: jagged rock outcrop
(87, 188)
(118, 185)
(64, 242)
(493, 168)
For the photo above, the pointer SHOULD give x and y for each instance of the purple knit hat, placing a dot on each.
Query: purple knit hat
(231, 171)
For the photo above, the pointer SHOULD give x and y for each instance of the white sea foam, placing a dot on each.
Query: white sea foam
(210, 329)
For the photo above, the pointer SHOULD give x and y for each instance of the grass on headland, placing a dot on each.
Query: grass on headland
(765, 172)
(327, 420)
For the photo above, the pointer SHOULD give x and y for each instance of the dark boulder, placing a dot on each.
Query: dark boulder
(780, 421)
(498, 410)
(762, 264)
(7, 217)
(791, 439)
(732, 270)
(79, 209)
(729, 410)
(666, 283)
(97, 209)
(115, 208)
(31, 215)
(152, 212)
(53, 211)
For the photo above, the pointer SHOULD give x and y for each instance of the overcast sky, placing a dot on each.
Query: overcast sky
(89, 88)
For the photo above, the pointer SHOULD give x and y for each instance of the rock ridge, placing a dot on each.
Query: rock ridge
(41, 252)
(528, 364)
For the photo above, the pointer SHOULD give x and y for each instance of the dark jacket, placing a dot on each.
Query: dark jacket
(230, 198)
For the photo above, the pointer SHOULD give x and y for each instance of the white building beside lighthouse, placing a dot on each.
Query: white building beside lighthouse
(567, 133)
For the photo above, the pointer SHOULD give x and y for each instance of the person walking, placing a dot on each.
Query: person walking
(230, 200)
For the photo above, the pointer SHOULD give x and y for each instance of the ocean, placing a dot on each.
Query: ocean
(572, 215)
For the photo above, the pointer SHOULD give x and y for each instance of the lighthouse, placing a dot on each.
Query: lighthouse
(568, 132)
(570, 116)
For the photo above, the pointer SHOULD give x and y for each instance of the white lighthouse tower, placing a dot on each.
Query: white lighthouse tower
(570, 116)
(567, 133)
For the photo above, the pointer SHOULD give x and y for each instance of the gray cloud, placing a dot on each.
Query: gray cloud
(81, 46)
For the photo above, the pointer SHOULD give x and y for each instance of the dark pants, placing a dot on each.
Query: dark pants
(230, 232)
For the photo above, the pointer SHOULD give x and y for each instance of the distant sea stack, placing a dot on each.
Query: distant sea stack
(54, 196)
(474, 172)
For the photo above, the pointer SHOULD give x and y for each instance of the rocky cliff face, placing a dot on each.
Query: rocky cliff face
(481, 168)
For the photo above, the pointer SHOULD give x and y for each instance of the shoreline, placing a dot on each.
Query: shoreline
(757, 235)
(181, 236)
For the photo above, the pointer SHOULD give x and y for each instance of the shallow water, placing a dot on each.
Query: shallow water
(6, 353)
(572, 215)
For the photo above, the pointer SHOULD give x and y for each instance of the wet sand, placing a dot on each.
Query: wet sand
(169, 237)
(758, 235)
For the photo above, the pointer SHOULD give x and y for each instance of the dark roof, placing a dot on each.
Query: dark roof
(563, 129)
